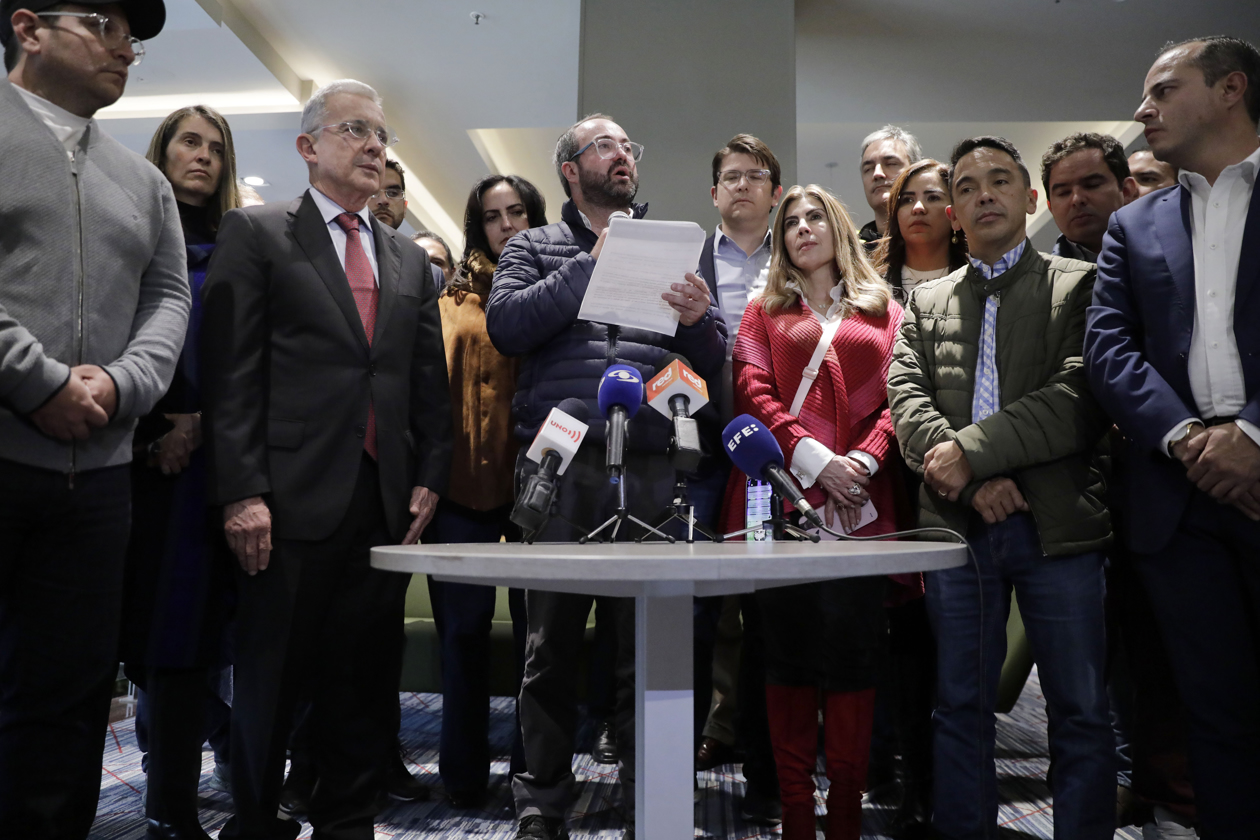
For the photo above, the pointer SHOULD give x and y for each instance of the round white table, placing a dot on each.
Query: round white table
(663, 578)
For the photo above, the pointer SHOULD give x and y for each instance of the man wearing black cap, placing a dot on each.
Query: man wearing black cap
(94, 302)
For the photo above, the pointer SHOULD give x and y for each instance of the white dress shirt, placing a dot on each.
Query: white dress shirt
(67, 127)
(330, 211)
(740, 278)
(810, 457)
(1218, 216)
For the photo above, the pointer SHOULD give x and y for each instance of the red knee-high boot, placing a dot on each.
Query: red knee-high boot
(793, 717)
(847, 719)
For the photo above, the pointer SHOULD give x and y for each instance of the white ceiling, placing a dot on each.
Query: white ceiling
(944, 69)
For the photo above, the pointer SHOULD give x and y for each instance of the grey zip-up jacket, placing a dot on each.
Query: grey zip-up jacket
(92, 271)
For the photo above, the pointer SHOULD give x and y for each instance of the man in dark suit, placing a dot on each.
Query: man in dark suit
(328, 432)
(1173, 353)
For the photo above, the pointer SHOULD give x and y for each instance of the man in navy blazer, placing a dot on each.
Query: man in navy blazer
(1172, 349)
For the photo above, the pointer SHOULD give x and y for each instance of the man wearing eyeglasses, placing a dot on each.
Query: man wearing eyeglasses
(532, 312)
(94, 302)
(327, 425)
(389, 204)
(735, 262)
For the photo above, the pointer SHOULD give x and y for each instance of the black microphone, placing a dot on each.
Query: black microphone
(755, 451)
(620, 395)
(554, 446)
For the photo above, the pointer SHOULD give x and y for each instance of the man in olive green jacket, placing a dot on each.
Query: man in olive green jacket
(992, 409)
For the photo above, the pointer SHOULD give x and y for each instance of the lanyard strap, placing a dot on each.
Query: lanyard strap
(815, 363)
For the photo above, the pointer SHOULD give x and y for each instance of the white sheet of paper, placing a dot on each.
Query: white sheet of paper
(638, 263)
(867, 516)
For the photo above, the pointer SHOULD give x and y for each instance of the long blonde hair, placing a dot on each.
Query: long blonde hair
(864, 290)
(225, 196)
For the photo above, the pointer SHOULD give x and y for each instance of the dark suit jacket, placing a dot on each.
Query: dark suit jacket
(1137, 344)
(708, 270)
(287, 372)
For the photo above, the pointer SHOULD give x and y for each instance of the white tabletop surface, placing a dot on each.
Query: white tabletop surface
(625, 568)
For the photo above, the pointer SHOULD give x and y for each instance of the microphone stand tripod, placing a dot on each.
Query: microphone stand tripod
(528, 537)
(620, 516)
(778, 525)
(683, 510)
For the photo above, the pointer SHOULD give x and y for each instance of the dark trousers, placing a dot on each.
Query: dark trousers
(1205, 588)
(463, 613)
(317, 615)
(557, 623)
(216, 711)
(1144, 685)
(1061, 602)
(548, 702)
(601, 668)
(171, 718)
(752, 729)
(61, 577)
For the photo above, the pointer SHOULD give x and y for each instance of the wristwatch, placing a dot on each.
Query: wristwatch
(1185, 433)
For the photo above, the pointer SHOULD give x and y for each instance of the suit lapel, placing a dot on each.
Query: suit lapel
(1172, 224)
(388, 260)
(1248, 266)
(311, 234)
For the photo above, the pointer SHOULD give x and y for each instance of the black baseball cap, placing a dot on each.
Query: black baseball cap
(146, 17)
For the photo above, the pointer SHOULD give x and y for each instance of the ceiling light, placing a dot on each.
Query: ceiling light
(255, 181)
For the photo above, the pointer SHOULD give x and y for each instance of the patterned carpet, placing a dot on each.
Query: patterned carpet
(1022, 761)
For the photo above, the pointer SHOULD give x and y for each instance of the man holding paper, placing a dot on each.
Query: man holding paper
(533, 312)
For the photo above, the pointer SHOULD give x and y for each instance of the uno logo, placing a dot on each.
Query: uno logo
(574, 434)
(623, 375)
(747, 431)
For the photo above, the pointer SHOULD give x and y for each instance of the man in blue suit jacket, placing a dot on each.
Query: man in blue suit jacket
(1172, 349)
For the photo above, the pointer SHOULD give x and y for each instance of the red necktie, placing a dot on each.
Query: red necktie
(363, 287)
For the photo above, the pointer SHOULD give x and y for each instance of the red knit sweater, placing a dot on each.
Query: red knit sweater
(846, 409)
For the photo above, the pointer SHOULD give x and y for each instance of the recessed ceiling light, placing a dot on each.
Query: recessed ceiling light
(255, 181)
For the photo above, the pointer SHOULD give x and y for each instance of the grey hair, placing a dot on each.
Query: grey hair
(891, 132)
(316, 110)
(567, 147)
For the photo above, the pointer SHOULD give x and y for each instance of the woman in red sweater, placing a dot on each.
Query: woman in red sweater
(826, 309)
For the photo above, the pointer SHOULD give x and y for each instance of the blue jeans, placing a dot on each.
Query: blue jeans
(1061, 601)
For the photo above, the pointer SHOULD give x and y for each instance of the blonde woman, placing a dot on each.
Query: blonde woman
(824, 301)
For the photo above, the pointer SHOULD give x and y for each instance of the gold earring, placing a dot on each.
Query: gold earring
(954, 238)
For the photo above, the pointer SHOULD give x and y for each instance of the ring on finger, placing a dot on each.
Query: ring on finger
(855, 489)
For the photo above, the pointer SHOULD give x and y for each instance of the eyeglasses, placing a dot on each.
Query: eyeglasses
(392, 193)
(113, 35)
(756, 177)
(361, 130)
(608, 148)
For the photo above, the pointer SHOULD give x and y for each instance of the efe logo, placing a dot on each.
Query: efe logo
(747, 431)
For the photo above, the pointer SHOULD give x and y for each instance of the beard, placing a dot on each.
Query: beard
(600, 191)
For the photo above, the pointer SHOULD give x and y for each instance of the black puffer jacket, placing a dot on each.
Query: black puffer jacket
(533, 312)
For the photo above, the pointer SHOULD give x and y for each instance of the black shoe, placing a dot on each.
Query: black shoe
(403, 786)
(605, 749)
(158, 830)
(713, 753)
(537, 827)
(295, 795)
(759, 809)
